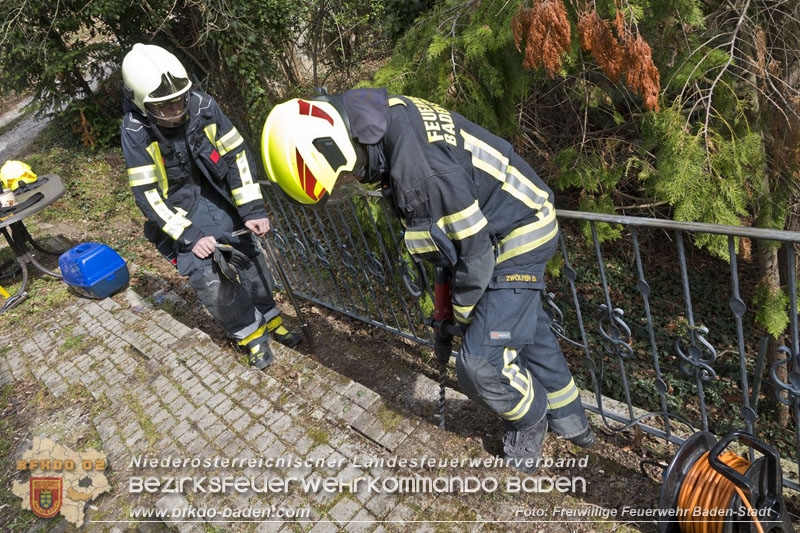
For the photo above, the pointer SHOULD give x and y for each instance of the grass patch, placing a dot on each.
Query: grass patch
(174, 309)
(77, 343)
(150, 432)
(318, 435)
(45, 295)
(389, 418)
(282, 399)
(141, 373)
(96, 190)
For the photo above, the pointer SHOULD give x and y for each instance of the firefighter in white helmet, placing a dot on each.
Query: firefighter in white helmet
(194, 179)
(470, 204)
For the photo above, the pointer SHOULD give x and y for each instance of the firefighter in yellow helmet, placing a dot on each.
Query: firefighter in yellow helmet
(194, 179)
(470, 204)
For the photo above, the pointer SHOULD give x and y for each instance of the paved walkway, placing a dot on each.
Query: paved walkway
(163, 389)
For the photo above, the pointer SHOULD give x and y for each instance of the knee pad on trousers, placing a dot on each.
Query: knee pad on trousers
(520, 407)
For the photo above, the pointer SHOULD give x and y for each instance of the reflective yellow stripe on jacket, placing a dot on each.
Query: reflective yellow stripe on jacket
(144, 175)
(174, 222)
(464, 223)
(527, 237)
(161, 172)
(249, 191)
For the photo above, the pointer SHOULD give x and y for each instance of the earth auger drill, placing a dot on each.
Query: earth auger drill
(444, 329)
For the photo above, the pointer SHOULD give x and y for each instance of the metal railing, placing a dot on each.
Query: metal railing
(657, 354)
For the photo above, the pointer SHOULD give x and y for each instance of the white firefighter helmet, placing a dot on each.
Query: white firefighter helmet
(157, 84)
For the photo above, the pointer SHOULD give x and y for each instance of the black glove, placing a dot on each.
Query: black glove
(454, 327)
(227, 258)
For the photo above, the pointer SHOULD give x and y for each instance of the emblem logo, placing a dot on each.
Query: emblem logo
(46, 495)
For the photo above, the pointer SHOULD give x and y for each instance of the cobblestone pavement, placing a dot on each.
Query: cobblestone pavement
(162, 389)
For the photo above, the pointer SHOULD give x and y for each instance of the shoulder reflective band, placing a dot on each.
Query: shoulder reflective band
(463, 224)
(249, 191)
(144, 175)
(229, 141)
(521, 382)
(420, 242)
(393, 101)
(161, 172)
(563, 397)
(491, 161)
(174, 223)
(530, 236)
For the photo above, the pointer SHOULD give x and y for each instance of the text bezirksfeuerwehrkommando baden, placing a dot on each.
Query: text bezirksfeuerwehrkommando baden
(273, 482)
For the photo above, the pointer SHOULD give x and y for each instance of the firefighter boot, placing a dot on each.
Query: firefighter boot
(259, 354)
(281, 334)
(522, 448)
(585, 439)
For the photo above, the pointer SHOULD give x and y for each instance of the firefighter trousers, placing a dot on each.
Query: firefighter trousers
(510, 361)
(241, 307)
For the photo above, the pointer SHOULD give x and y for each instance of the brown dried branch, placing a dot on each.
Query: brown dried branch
(547, 34)
(640, 71)
(596, 37)
(633, 56)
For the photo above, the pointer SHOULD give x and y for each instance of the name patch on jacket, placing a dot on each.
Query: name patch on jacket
(437, 120)
(520, 277)
(517, 280)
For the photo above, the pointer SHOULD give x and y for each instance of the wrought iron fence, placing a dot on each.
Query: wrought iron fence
(648, 332)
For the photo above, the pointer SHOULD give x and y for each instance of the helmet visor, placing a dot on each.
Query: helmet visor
(170, 85)
(170, 112)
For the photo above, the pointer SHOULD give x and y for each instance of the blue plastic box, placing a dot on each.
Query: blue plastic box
(94, 270)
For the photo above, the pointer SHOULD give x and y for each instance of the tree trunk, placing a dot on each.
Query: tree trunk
(768, 266)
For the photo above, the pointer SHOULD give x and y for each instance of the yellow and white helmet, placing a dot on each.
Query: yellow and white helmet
(16, 174)
(306, 146)
(157, 84)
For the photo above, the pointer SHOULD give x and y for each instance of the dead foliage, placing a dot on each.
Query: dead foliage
(547, 34)
(84, 130)
(596, 37)
(546, 31)
(640, 71)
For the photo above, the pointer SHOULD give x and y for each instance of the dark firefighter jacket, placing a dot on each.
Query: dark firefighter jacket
(469, 202)
(165, 179)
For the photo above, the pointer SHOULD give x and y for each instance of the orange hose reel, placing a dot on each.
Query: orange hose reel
(709, 490)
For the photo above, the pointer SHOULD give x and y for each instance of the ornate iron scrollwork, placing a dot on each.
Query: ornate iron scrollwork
(694, 363)
(411, 280)
(299, 247)
(792, 388)
(375, 267)
(321, 253)
(615, 332)
(280, 242)
(347, 259)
